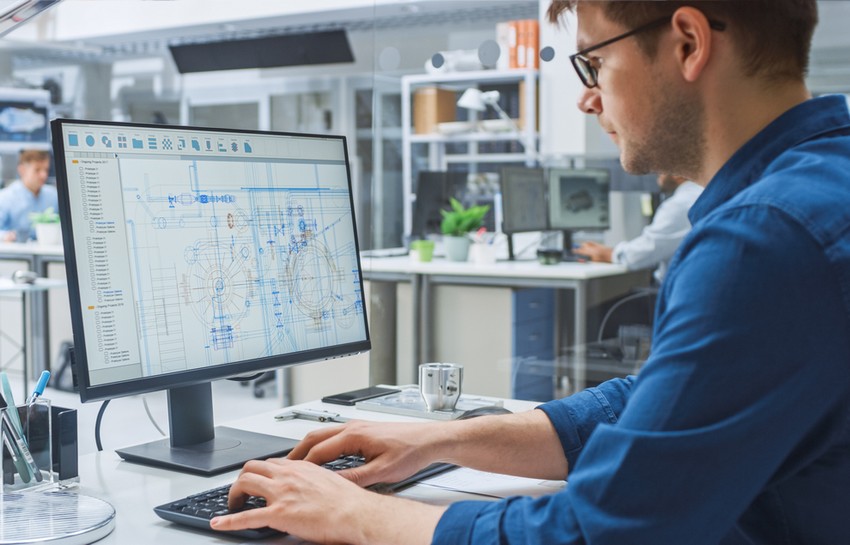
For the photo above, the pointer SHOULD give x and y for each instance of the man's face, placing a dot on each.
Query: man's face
(652, 115)
(34, 174)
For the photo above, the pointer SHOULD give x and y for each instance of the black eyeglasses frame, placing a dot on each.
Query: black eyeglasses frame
(587, 73)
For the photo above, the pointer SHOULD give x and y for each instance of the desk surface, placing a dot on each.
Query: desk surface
(31, 248)
(511, 269)
(134, 490)
(41, 284)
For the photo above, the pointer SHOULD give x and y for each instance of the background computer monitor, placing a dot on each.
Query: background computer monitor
(523, 202)
(578, 200)
(197, 254)
(433, 191)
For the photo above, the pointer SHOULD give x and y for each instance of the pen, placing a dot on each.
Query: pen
(26, 464)
(311, 414)
(39, 387)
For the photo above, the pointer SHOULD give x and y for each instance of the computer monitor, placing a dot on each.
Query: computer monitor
(24, 120)
(197, 254)
(523, 202)
(578, 200)
(434, 188)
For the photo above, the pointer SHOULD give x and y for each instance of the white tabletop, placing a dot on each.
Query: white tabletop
(31, 248)
(507, 269)
(40, 284)
(134, 490)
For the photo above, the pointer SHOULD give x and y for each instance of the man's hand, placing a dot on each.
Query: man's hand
(392, 451)
(596, 252)
(9, 236)
(314, 503)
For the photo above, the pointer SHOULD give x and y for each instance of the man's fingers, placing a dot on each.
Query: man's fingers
(310, 440)
(252, 518)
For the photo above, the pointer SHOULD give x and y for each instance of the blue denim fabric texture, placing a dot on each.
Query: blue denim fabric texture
(737, 430)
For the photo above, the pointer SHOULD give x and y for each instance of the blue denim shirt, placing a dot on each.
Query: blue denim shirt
(737, 430)
(17, 203)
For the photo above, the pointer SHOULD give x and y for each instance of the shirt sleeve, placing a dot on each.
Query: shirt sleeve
(659, 240)
(724, 408)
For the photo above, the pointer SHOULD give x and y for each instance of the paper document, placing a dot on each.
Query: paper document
(493, 484)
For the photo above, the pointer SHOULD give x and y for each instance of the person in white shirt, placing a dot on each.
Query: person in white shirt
(658, 241)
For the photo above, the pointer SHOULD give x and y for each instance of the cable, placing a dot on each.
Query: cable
(616, 306)
(150, 416)
(97, 424)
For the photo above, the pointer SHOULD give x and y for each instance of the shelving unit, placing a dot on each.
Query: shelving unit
(438, 158)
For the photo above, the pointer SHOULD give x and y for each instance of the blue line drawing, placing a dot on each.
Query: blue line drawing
(240, 260)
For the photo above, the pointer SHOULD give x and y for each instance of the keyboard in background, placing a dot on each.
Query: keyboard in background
(198, 509)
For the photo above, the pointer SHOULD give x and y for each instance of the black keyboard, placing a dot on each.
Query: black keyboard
(198, 509)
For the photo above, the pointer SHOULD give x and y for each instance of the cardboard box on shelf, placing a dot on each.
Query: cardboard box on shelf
(523, 115)
(432, 105)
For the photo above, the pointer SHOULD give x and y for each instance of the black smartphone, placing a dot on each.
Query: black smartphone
(352, 397)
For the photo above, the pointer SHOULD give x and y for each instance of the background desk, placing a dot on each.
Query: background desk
(485, 329)
(41, 323)
(32, 317)
(134, 490)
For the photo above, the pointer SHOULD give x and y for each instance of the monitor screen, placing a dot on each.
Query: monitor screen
(523, 200)
(578, 199)
(433, 190)
(198, 254)
(24, 117)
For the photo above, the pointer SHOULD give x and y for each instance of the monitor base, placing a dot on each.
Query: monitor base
(229, 450)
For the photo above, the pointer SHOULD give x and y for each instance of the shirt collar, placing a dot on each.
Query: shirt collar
(802, 122)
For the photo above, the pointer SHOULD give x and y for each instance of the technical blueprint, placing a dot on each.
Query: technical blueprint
(235, 260)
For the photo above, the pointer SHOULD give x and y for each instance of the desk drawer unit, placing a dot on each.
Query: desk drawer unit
(533, 346)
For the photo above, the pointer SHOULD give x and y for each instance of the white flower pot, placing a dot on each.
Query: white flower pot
(48, 234)
(457, 248)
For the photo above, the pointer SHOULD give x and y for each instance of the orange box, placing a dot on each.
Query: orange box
(432, 105)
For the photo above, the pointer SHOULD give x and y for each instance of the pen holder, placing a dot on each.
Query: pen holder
(40, 449)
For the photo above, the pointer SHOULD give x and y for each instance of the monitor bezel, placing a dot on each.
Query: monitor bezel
(141, 385)
(553, 176)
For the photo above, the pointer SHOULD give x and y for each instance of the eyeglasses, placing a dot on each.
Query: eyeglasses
(585, 68)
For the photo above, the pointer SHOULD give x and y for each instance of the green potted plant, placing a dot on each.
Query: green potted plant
(457, 224)
(47, 230)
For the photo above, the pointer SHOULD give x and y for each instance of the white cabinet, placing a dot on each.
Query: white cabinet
(436, 144)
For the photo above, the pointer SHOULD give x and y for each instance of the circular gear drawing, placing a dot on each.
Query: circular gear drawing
(314, 280)
(219, 286)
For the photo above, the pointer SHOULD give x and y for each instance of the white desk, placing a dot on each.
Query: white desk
(577, 277)
(37, 256)
(134, 490)
(31, 335)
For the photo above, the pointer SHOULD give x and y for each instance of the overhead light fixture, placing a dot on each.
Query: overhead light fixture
(478, 100)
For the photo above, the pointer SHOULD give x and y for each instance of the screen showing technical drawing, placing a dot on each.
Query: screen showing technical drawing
(197, 248)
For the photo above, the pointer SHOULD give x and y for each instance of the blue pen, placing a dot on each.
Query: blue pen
(39, 387)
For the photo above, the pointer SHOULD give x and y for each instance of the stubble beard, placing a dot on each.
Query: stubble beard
(674, 143)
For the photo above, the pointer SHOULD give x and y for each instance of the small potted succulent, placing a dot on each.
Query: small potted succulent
(47, 229)
(457, 224)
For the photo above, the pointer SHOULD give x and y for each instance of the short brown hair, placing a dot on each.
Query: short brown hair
(774, 36)
(33, 156)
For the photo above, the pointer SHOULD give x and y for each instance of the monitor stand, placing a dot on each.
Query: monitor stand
(568, 255)
(196, 446)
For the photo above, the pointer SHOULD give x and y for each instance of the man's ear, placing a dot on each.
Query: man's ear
(693, 41)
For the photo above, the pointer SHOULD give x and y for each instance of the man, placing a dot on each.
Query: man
(27, 195)
(738, 428)
(659, 240)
